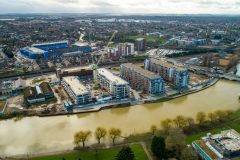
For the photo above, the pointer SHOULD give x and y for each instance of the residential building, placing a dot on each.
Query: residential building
(38, 94)
(141, 79)
(225, 145)
(117, 87)
(140, 44)
(176, 75)
(8, 88)
(76, 90)
(121, 50)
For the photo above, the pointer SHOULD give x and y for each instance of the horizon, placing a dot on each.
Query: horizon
(213, 7)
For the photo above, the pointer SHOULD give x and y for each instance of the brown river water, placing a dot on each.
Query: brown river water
(34, 134)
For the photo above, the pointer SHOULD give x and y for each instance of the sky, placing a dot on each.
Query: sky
(122, 6)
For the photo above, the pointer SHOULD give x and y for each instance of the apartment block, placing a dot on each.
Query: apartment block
(76, 90)
(117, 87)
(178, 76)
(141, 79)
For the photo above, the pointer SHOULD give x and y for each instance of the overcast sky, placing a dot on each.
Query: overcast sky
(121, 6)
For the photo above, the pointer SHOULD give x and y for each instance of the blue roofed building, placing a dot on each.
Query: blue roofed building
(54, 49)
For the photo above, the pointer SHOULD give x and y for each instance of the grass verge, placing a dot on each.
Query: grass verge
(102, 154)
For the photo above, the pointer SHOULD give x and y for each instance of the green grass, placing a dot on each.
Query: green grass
(104, 154)
(191, 138)
(38, 80)
(149, 39)
(234, 124)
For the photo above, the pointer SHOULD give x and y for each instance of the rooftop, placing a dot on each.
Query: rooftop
(49, 43)
(35, 50)
(77, 87)
(140, 70)
(113, 78)
(140, 39)
(166, 64)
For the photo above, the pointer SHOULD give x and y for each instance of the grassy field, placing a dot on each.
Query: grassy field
(149, 39)
(38, 80)
(104, 154)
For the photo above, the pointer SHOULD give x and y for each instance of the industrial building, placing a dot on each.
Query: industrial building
(140, 44)
(121, 50)
(53, 49)
(117, 87)
(38, 94)
(76, 90)
(225, 145)
(141, 79)
(178, 76)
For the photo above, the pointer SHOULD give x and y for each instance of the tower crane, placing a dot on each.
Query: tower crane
(94, 66)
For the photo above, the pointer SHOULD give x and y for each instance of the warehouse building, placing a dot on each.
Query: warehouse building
(178, 76)
(117, 87)
(76, 90)
(141, 79)
(225, 145)
(38, 94)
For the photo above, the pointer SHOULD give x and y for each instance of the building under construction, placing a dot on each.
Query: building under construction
(178, 76)
(141, 79)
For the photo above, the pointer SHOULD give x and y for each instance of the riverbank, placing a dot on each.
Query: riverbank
(164, 99)
(117, 104)
(49, 134)
(130, 103)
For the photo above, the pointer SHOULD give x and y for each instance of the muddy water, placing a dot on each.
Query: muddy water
(34, 134)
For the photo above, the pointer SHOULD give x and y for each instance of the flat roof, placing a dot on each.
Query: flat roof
(35, 50)
(166, 64)
(77, 87)
(111, 77)
(139, 39)
(49, 43)
(141, 70)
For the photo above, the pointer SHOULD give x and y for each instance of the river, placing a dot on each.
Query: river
(34, 134)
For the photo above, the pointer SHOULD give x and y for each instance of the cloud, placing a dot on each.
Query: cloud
(121, 6)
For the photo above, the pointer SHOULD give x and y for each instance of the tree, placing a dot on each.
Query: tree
(175, 141)
(189, 121)
(166, 124)
(153, 129)
(180, 121)
(114, 133)
(228, 113)
(125, 153)
(81, 136)
(100, 133)
(223, 115)
(200, 117)
(158, 147)
(188, 154)
(212, 117)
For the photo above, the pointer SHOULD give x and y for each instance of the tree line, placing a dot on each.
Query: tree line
(99, 134)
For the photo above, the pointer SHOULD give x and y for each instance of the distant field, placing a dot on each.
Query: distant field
(235, 30)
(149, 39)
(104, 154)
